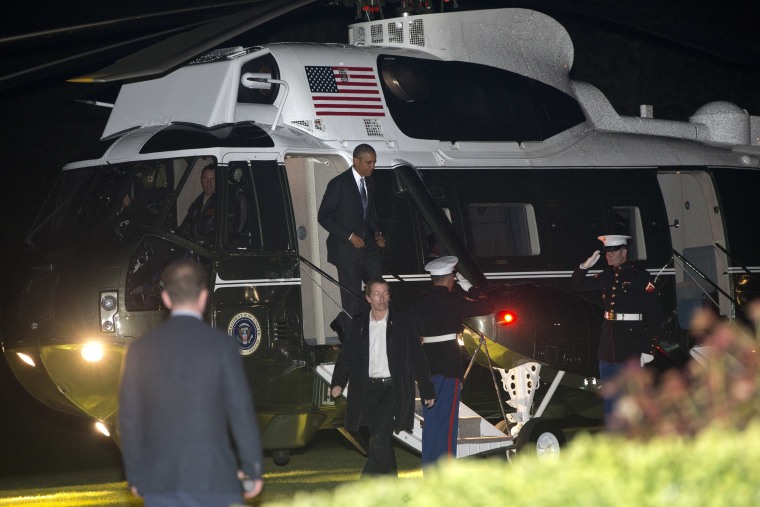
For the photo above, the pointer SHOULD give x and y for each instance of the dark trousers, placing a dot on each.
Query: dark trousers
(363, 265)
(378, 414)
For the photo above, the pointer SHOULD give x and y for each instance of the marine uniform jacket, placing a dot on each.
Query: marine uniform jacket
(626, 289)
(405, 360)
(186, 416)
(438, 311)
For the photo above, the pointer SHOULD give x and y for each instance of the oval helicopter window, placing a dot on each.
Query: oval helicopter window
(406, 80)
(264, 65)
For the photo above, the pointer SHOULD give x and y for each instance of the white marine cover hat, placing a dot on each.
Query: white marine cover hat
(442, 265)
(611, 240)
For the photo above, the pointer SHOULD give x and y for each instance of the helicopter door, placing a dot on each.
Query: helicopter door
(695, 226)
(308, 177)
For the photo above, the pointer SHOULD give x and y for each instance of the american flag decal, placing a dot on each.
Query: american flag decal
(345, 91)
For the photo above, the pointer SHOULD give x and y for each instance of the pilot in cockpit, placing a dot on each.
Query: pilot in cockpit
(199, 222)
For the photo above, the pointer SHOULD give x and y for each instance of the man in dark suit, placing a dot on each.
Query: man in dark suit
(381, 357)
(188, 431)
(347, 213)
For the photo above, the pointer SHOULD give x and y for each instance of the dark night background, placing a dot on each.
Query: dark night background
(673, 55)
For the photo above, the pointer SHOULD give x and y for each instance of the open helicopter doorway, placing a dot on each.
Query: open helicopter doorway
(308, 176)
(696, 226)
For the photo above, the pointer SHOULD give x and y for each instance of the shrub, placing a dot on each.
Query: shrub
(717, 468)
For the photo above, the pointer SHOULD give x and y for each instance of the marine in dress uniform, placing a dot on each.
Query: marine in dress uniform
(632, 311)
(439, 312)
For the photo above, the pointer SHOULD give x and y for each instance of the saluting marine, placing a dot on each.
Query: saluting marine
(632, 312)
(439, 313)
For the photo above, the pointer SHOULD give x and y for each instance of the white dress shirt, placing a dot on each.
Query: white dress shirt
(378, 350)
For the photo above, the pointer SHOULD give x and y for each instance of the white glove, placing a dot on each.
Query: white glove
(591, 260)
(463, 282)
(646, 358)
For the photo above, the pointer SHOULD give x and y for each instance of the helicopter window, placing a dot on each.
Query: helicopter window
(243, 228)
(271, 203)
(143, 290)
(114, 197)
(503, 230)
(626, 220)
(197, 203)
(265, 66)
(458, 101)
(69, 189)
(144, 196)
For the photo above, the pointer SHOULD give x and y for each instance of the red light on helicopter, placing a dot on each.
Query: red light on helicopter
(506, 317)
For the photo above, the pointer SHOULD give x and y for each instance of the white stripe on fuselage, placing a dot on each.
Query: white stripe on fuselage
(503, 275)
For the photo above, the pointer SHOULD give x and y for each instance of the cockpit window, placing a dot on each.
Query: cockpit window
(117, 197)
(458, 101)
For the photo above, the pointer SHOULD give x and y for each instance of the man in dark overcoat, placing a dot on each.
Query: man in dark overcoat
(189, 435)
(381, 357)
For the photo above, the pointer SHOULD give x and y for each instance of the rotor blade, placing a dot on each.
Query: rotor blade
(49, 68)
(171, 53)
(108, 24)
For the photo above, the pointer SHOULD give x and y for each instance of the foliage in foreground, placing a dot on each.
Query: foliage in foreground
(715, 469)
(690, 437)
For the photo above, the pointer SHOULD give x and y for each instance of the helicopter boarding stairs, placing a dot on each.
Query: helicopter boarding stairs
(476, 435)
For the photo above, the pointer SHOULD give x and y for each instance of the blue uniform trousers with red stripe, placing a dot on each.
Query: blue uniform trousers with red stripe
(441, 423)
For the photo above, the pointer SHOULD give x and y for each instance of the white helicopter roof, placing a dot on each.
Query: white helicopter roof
(522, 41)
(207, 92)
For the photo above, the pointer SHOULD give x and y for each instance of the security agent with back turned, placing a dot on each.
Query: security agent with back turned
(189, 435)
(632, 311)
(439, 313)
(347, 213)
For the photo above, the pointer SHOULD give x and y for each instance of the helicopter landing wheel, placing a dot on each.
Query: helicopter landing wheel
(281, 457)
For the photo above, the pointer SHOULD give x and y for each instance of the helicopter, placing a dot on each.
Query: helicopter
(486, 149)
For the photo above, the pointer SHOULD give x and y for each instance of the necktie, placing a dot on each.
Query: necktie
(363, 192)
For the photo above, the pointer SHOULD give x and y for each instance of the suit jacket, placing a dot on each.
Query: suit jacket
(341, 214)
(405, 359)
(184, 396)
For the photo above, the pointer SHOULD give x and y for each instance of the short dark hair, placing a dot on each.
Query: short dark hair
(209, 167)
(439, 279)
(183, 280)
(363, 149)
(370, 283)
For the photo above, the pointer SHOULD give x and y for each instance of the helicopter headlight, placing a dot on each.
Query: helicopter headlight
(92, 352)
(101, 427)
(26, 358)
(109, 307)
